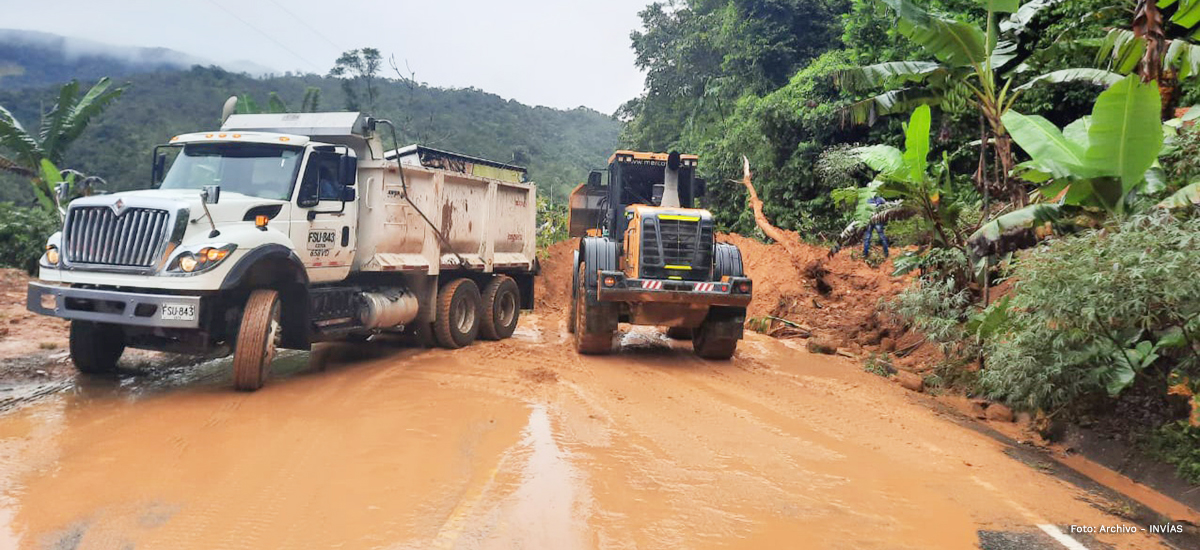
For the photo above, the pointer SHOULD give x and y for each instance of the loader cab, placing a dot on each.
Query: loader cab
(599, 207)
(653, 240)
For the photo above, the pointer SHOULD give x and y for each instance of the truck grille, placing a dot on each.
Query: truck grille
(679, 243)
(96, 235)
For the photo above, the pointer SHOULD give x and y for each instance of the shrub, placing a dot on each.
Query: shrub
(1178, 443)
(1093, 312)
(23, 234)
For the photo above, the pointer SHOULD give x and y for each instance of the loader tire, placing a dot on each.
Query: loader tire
(588, 342)
(457, 321)
(501, 308)
(96, 347)
(258, 340)
(709, 347)
(574, 287)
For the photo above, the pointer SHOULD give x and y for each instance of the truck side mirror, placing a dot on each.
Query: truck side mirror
(701, 188)
(594, 178)
(158, 169)
(211, 194)
(347, 170)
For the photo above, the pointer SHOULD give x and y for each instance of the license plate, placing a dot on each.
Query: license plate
(179, 312)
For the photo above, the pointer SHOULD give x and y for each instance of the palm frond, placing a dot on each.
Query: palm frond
(854, 231)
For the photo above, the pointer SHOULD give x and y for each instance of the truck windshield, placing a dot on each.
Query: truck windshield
(259, 170)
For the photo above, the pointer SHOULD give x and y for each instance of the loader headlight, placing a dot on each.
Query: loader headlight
(196, 260)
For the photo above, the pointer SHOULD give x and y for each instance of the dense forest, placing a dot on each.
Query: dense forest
(558, 147)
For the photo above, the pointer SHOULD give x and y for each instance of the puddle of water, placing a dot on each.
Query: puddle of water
(550, 499)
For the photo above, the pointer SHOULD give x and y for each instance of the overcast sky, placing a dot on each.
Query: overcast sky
(558, 53)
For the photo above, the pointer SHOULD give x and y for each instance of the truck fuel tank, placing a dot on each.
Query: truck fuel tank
(388, 308)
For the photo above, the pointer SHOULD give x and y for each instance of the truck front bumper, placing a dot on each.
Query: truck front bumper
(613, 286)
(116, 307)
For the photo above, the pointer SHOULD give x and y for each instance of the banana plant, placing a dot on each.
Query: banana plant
(1096, 163)
(903, 179)
(974, 68)
(60, 127)
(1160, 46)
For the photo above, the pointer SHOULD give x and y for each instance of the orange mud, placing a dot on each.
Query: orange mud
(522, 444)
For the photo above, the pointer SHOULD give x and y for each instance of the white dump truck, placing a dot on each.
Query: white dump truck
(281, 230)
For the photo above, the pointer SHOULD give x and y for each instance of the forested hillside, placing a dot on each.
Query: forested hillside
(558, 147)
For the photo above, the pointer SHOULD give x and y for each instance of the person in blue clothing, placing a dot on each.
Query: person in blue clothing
(875, 228)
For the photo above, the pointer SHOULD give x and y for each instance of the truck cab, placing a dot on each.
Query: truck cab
(281, 230)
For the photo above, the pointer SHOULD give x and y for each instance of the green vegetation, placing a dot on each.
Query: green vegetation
(23, 234)
(1095, 312)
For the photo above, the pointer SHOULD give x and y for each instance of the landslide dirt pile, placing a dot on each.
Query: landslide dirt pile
(834, 300)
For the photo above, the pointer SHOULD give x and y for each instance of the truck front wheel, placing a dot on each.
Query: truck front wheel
(258, 339)
(457, 322)
(501, 308)
(96, 347)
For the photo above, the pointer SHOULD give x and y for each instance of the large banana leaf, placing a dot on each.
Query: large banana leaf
(890, 103)
(1121, 51)
(1044, 142)
(56, 120)
(1183, 57)
(884, 159)
(1099, 77)
(1188, 13)
(1018, 22)
(1012, 231)
(1188, 196)
(1126, 134)
(13, 136)
(916, 143)
(1077, 132)
(871, 76)
(953, 42)
(94, 102)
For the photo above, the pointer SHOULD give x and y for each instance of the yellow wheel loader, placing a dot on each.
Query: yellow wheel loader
(648, 257)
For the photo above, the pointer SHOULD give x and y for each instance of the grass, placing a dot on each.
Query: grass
(48, 345)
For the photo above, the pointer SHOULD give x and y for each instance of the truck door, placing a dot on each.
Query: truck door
(324, 229)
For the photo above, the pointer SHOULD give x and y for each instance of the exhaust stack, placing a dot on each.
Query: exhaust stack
(670, 197)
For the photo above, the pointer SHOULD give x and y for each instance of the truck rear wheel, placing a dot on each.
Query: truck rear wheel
(501, 308)
(710, 347)
(457, 322)
(588, 342)
(257, 341)
(96, 347)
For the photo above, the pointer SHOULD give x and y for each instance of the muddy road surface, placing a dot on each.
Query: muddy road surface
(524, 444)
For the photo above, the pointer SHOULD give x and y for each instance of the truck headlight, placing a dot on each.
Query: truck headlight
(52, 254)
(197, 260)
